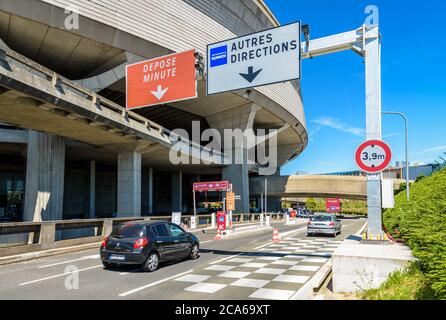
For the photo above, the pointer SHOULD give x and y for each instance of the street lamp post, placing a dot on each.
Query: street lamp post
(406, 124)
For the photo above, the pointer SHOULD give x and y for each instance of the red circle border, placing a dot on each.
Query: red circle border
(380, 168)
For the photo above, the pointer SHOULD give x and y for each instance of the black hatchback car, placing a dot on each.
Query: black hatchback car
(147, 244)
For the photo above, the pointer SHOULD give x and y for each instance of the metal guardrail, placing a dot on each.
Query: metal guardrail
(44, 235)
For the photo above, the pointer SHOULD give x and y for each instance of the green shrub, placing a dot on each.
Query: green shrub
(421, 223)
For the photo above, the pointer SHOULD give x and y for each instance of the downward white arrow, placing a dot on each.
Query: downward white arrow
(160, 92)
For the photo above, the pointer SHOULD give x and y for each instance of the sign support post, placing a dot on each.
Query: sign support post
(373, 127)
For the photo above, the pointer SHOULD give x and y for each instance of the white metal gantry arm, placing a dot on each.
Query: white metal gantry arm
(351, 40)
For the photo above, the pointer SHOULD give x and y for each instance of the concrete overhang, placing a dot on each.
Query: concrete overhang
(105, 42)
(34, 97)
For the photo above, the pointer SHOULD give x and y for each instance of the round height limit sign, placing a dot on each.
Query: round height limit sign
(373, 156)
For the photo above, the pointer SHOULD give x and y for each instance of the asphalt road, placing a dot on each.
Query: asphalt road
(247, 266)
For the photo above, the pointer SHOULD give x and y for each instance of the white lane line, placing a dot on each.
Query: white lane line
(224, 259)
(58, 275)
(69, 261)
(127, 272)
(206, 241)
(154, 284)
(263, 246)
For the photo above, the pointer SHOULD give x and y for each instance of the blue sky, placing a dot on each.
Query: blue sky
(413, 81)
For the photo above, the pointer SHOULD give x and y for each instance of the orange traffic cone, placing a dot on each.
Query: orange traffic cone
(276, 237)
(218, 236)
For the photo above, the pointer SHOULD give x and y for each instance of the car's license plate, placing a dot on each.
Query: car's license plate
(117, 257)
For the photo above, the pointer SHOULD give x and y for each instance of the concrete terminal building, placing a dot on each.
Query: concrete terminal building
(68, 147)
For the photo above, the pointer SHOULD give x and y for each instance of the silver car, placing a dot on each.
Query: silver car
(324, 224)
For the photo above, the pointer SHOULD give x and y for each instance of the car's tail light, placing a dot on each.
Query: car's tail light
(309, 222)
(104, 242)
(140, 243)
(332, 224)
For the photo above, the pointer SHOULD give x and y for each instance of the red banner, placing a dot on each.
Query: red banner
(333, 205)
(211, 186)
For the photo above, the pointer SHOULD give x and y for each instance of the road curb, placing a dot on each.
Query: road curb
(315, 283)
(46, 253)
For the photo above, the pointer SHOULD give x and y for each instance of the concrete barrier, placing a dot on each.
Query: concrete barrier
(46, 235)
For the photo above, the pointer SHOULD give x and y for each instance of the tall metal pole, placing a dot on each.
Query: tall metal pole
(372, 55)
(406, 124)
(266, 196)
(195, 204)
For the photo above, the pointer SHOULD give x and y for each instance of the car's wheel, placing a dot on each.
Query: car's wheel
(108, 265)
(194, 252)
(334, 234)
(152, 262)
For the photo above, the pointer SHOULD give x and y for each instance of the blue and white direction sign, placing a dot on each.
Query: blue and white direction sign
(253, 60)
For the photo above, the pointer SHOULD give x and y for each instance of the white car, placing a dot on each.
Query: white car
(324, 224)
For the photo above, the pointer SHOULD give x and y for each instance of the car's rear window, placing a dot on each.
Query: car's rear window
(128, 231)
(321, 218)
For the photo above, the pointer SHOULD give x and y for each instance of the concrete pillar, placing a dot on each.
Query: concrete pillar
(45, 170)
(150, 195)
(177, 191)
(129, 184)
(237, 174)
(92, 209)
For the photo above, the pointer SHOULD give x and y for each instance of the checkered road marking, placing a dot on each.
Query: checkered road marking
(274, 272)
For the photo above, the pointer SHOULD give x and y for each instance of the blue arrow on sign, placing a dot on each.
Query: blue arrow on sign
(251, 75)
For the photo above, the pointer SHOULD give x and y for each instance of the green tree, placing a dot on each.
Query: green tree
(311, 204)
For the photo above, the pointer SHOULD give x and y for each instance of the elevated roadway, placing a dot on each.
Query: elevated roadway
(312, 186)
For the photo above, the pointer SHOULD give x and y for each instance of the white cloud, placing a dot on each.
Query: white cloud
(338, 125)
(429, 150)
(386, 136)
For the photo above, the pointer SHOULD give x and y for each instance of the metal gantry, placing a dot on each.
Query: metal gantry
(365, 41)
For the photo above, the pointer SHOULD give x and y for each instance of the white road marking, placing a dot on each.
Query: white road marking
(58, 275)
(285, 262)
(315, 260)
(193, 278)
(206, 287)
(253, 265)
(219, 267)
(244, 260)
(224, 259)
(131, 271)
(153, 284)
(206, 241)
(270, 271)
(234, 274)
(250, 283)
(263, 246)
(291, 279)
(305, 268)
(96, 256)
(272, 294)
(269, 258)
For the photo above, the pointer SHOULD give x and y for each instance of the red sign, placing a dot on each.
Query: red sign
(221, 220)
(373, 156)
(333, 205)
(211, 186)
(161, 80)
